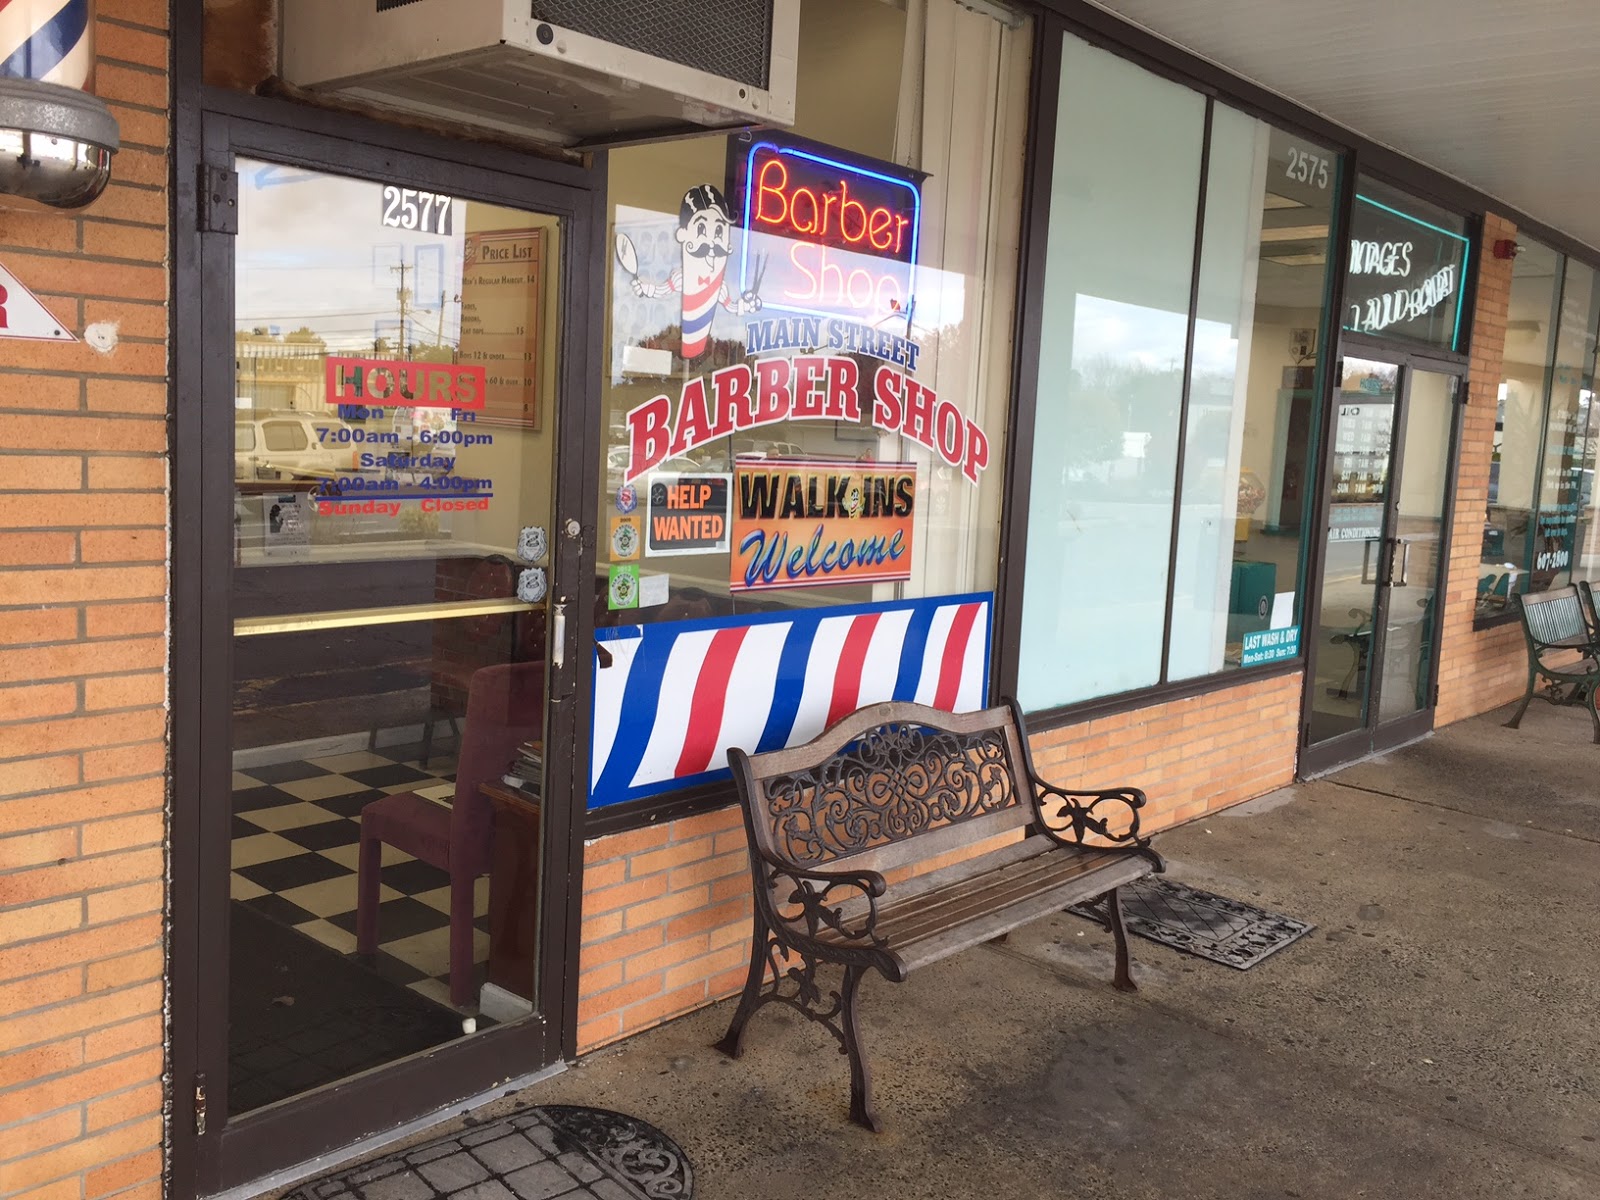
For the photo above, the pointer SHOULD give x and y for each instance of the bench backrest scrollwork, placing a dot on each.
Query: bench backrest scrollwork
(887, 776)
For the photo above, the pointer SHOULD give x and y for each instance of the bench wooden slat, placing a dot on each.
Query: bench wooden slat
(1001, 884)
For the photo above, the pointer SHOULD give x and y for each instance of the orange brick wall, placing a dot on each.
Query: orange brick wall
(666, 923)
(1479, 670)
(83, 656)
(1191, 756)
(666, 910)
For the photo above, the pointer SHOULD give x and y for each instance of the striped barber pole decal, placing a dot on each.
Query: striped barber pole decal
(677, 695)
(47, 40)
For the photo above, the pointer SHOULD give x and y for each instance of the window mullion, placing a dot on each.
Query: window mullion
(1188, 379)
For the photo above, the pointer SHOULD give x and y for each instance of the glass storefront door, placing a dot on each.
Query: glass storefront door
(1389, 477)
(385, 840)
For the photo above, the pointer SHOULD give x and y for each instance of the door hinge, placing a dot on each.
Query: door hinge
(219, 199)
(1435, 703)
(199, 1105)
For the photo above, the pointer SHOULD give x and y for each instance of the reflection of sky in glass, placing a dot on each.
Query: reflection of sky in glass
(1150, 338)
(1130, 334)
(313, 252)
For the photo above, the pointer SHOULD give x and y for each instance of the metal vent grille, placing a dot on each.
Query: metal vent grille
(731, 38)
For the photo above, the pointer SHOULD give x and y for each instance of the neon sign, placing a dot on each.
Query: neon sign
(1403, 274)
(826, 235)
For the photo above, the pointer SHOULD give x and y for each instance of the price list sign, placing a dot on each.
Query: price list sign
(502, 288)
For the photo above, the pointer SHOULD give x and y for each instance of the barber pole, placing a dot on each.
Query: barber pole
(48, 40)
(666, 712)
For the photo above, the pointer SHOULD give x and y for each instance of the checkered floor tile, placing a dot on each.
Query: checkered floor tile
(296, 835)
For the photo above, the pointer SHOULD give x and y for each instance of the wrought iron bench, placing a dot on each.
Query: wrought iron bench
(1556, 622)
(844, 832)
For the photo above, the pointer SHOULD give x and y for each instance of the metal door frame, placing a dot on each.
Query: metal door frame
(1375, 736)
(210, 1154)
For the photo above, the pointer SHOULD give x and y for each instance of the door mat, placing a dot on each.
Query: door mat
(301, 1015)
(554, 1150)
(1230, 932)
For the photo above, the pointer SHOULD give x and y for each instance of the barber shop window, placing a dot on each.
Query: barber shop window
(1539, 524)
(1172, 462)
(809, 341)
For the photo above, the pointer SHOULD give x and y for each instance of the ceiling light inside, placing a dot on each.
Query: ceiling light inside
(1295, 233)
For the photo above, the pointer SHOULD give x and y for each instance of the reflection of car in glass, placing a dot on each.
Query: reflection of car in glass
(617, 464)
(751, 448)
(285, 444)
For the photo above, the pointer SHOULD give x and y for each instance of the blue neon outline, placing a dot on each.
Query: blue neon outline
(1466, 258)
(619, 633)
(916, 227)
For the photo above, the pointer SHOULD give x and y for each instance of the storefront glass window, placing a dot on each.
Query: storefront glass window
(1565, 480)
(1119, 269)
(810, 339)
(1519, 423)
(1538, 526)
(1263, 279)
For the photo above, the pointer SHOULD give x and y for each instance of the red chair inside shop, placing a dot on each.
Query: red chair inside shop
(505, 707)
(463, 646)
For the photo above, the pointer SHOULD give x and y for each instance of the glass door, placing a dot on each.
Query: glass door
(1373, 660)
(384, 840)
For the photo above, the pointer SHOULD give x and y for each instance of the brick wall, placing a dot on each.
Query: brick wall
(1191, 756)
(666, 910)
(83, 614)
(666, 924)
(1478, 670)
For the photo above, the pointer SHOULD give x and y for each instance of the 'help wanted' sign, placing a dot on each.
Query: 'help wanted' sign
(687, 514)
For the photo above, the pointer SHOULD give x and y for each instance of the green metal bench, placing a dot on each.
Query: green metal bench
(1559, 622)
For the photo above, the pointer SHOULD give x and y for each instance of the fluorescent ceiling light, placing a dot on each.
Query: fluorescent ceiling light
(1298, 260)
(1294, 233)
(1276, 201)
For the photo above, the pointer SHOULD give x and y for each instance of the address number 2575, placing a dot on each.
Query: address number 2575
(408, 208)
(1307, 168)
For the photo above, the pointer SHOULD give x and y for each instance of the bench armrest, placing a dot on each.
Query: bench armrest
(1111, 815)
(815, 901)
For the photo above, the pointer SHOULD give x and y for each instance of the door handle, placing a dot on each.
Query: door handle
(1405, 563)
(1366, 560)
(558, 636)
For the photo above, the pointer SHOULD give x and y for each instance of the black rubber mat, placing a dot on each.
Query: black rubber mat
(1206, 925)
(536, 1154)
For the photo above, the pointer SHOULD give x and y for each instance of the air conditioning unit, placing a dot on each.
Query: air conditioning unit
(569, 72)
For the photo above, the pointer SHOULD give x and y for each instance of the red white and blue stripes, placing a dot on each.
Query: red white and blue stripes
(678, 695)
(47, 40)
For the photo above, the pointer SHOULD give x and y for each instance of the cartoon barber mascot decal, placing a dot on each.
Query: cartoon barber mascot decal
(705, 238)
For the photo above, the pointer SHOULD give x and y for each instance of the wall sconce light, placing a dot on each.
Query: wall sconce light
(1505, 248)
(56, 144)
(56, 139)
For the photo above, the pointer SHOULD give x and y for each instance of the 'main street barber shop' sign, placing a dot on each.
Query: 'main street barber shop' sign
(809, 524)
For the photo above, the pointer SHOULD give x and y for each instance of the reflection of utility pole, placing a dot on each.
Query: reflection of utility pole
(438, 338)
(403, 294)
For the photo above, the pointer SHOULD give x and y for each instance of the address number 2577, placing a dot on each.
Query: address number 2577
(1307, 168)
(408, 208)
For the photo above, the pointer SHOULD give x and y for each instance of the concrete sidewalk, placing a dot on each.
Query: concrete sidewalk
(1434, 1037)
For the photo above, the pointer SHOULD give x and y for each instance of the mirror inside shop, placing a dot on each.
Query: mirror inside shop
(393, 420)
